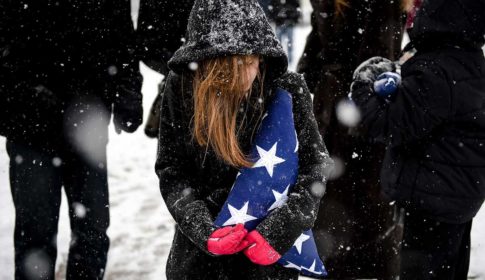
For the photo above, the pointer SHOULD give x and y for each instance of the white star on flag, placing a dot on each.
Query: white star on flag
(299, 242)
(312, 269)
(239, 216)
(268, 159)
(280, 198)
(292, 265)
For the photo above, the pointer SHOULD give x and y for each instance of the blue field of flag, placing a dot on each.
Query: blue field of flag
(265, 187)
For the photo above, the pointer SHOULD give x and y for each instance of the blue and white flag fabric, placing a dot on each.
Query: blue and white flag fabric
(265, 186)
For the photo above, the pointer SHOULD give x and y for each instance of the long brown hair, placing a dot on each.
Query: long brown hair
(219, 90)
(407, 5)
(340, 5)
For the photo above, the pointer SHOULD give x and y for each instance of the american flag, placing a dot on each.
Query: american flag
(259, 190)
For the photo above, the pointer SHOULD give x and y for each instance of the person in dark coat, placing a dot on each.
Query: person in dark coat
(160, 32)
(356, 230)
(285, 14)
(195, 177)
(64, 67)
(433, 126)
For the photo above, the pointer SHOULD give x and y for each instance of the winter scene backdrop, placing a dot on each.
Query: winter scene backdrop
(141, 227)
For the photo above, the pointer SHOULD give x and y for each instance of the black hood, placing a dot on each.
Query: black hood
(450, 22)
(228, 27)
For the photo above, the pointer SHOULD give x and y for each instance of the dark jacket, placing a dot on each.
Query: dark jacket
(352, 214)
(435, 160)
(284, 12)
(54, 51)
(194, 182)
(161, 30)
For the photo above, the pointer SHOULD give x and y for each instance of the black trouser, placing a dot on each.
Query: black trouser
(434, 250)
(37, 174)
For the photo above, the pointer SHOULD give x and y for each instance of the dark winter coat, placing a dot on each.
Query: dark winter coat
(194, 182)
(285, 12)
(435, 160)
(352, 214)
(161, 30)
(53, 52)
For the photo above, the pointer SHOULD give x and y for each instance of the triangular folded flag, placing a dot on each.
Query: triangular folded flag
(259, 190)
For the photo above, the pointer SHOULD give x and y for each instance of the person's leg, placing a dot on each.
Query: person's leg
(431, 249)
(279, 30)
(36, 190)
(462, 259)
(289, 35)
(86, 184)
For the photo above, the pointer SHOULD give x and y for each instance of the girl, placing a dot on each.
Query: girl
(220, 83)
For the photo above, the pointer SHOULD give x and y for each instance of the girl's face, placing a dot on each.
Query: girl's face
(252, 69)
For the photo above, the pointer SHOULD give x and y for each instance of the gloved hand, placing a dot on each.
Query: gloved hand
(259, 250)
(386, 84)
(45, 97)
(127, 109)
(227, 240)
(368, 71)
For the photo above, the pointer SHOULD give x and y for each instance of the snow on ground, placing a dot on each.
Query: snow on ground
(141, 228)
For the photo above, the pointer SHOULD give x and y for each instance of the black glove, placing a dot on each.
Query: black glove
(367, 72)
(128, 108)
(45, 97)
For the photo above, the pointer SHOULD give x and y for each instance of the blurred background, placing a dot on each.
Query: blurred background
(141, 228)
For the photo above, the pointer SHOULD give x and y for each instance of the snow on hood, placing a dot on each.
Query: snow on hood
(228, 27)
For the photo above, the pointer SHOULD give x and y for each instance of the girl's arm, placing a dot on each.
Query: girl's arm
(421, 103)
(284, 225)
(174, 168)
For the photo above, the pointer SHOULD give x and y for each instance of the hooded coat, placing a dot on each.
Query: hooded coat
(353, 214)
(54, 52)
(434, 128)
(194, 182)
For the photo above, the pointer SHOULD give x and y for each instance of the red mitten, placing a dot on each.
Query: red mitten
(260, 252)
(227, 240)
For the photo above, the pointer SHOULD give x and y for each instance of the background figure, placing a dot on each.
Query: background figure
(356, 229)
(160, 32)
(285, 14)
(64, 67)
(433, 126)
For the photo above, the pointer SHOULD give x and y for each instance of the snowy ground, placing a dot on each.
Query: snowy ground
(141, 228)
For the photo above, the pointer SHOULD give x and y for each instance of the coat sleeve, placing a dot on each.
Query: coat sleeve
(422, 103)
(174, 169)
(283, 226)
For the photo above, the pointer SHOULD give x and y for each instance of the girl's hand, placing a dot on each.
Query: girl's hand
(260, 252)
(227, 240)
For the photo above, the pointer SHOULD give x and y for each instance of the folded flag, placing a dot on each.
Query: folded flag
(265, 187)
